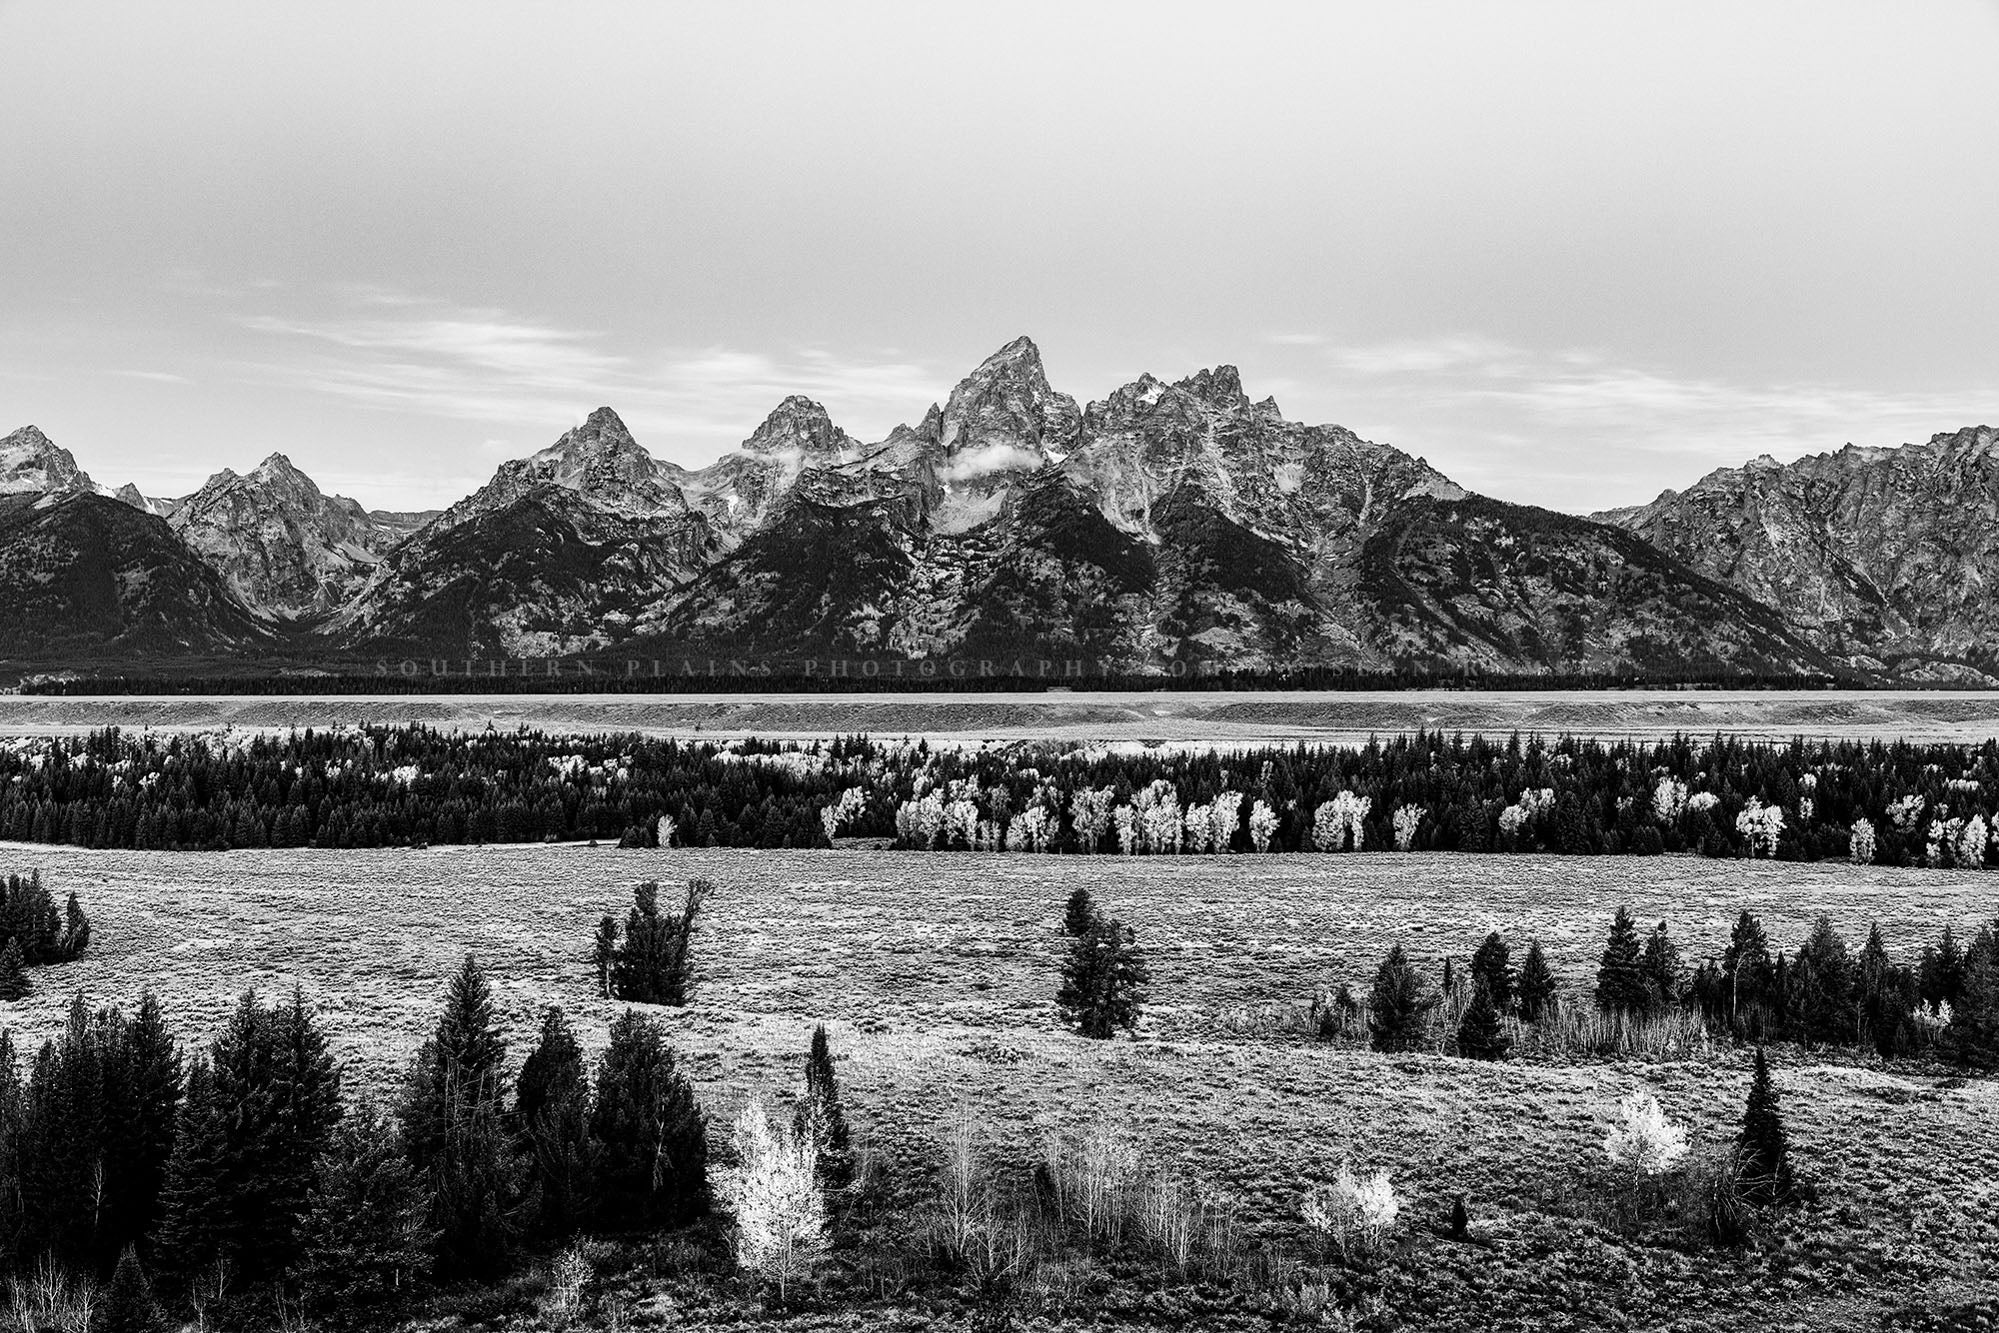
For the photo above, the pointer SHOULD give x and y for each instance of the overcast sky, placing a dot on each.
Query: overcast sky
(1570, 253)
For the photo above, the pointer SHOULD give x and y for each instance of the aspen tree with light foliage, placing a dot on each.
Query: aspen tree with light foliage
(773, 1192)
(1643, 1140)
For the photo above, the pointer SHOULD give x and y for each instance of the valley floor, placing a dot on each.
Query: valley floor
(1191, 717)
(935, 974)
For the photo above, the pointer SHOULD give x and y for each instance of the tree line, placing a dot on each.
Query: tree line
(1888, 803)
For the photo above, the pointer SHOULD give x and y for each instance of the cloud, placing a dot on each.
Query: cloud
(388, 351)
(157, 376)
(1582, 429)
(987, 459)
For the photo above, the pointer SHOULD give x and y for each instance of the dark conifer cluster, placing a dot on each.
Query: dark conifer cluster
(195, 1182)
(1946, 1003)
(32, 931)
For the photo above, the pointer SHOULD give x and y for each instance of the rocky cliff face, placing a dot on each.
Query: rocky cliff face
(32, 464)
(1884, 558)
(288, 551)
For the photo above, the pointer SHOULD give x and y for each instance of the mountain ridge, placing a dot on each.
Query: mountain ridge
(1166, 525)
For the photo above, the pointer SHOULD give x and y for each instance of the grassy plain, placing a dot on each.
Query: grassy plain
(1189, 717)
(935, 975)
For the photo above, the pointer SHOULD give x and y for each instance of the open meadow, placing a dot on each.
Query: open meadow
(936, 973)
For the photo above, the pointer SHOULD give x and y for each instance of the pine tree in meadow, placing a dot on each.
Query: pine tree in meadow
(654, 965)
(818, 1114)
(1398, 1007)
(1763, 1148)
(454, 1129)
(1081, 912)
(1536, 986)
(1661, 967)
(652, 1136)
(1492, 965)
(552, 1113)
(1481, 1035)
(14, 983)
(1620, 976)
(366, 1233)
(1104, 980)
(128, 1305)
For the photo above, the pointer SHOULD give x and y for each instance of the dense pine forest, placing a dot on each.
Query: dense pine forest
(1890, 804)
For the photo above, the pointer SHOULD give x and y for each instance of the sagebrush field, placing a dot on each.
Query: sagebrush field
(936, 974)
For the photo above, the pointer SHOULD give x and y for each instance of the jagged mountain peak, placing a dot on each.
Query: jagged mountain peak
(1219, 388)
(1007, 410)
(31, 463)
(798, 425)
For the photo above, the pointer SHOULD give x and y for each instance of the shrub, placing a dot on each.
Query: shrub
(773, 1193)
(1644, 1141)
(1353, 1214)
(1104, 980)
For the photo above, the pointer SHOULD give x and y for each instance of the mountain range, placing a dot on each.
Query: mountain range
(1170, 523)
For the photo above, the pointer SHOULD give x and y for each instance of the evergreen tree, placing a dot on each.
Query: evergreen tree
(655, 963)
(1104, 980)
(1081, 912)
(1661, 967)
(454, 1130)
(1536, 986)
(302, 1108)
(552, 1112)
(605, 952)
(14, 983)
(1972, 1038)
(1492, 965)
(1398, 1009)
(652, 1136)
(196, 1228)
(1481, 1035)
(818, 1114)
(366, 1233)
(1746, 968)
(1620, 976)
(1820, 1004)
(128, 1306)
(1763, 1148)
(1942, 971)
